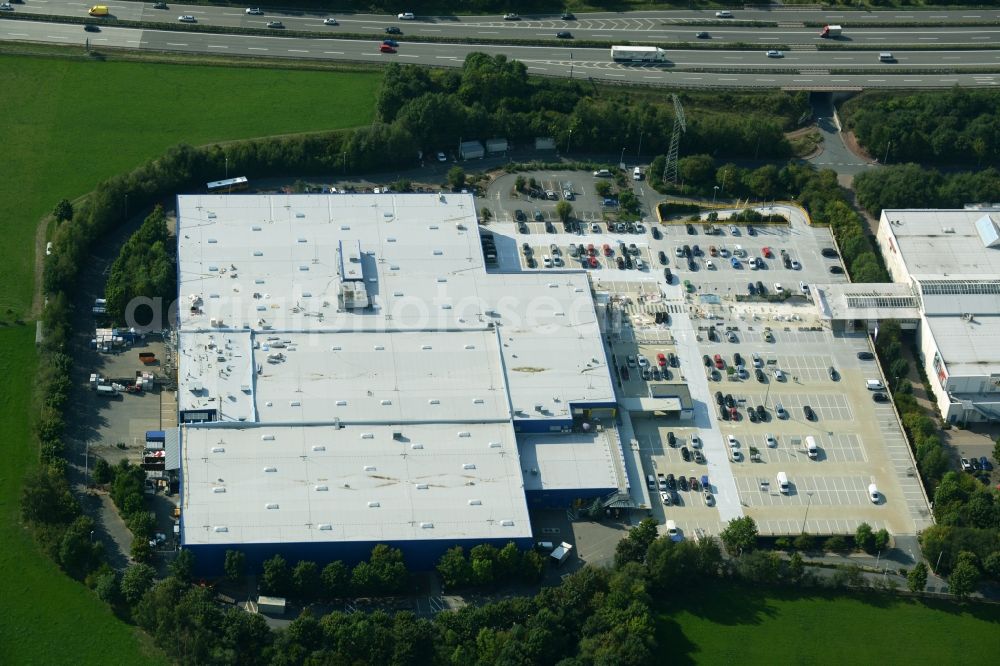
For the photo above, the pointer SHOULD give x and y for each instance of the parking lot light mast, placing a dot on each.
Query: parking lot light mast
(621, 158)
(804, 519)
(568, 140)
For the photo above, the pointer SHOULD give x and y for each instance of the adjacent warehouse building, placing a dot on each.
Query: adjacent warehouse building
(949, 263)
(350, 374)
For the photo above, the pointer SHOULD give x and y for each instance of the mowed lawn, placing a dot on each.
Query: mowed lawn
(70, 124)
(734, 624)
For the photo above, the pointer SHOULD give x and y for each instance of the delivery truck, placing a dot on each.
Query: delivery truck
(831, 31)
(638, 54)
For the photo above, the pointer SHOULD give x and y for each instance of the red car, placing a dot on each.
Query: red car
(593, 262)
(385, 48)
(719, 363)
(607, 250)
(591, 250)
(767, 252)
(661, 359)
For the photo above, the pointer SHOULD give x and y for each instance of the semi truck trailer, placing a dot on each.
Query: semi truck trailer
(638, 54)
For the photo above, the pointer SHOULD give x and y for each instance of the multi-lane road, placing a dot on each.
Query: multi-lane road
(801, 67)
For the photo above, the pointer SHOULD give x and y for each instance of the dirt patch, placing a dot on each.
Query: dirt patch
(852, 144)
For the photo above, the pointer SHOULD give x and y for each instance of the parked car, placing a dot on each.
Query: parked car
(866, 356)
(880, 397)
(809, 413)
(685, 454)
(966, 465)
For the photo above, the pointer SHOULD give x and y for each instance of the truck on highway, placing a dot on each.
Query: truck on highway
(638, 54)
(831, 31)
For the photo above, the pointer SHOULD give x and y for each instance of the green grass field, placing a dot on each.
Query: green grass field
(69, 124)
(727, 625)
(72, 123)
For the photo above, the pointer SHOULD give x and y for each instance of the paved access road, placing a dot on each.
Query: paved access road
(666, 27)
(732, 69)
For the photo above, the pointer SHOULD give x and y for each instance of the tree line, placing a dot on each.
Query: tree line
(492, 96)
(912, 186)
(146, 267)
(958, 126)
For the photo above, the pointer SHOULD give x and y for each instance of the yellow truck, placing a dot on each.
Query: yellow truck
(99, 10)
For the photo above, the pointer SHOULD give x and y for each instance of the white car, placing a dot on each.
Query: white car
(796, 266)
(780, 411)
(754, 265)
(803, 287)
(873, 494)
(724, 14)
(442, 157)
(255, 11)
(330, 21)
(778, 288)
(709, 264)
(771, 441)
(48, 248)
(733, 442)
(775, 54)
(187, 18)
(673, 532)
(511, 17)
(406, 16)
(665, 498)
(643, 362)
(696, 441)
(5, 6)
(709, 499)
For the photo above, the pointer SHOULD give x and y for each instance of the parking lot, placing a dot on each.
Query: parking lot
(859, 442)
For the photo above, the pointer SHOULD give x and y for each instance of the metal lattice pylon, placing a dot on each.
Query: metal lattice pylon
(680, 126)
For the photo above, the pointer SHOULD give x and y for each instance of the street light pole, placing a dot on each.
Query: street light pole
(808, 504)
(568, 139)
(621, 158)
(638, 153)
(345, 162)
(227, 167)
(716, 192)
(885, 158)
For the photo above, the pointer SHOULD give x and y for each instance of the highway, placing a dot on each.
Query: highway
(803, 67)
(664, 27)
(740, 69)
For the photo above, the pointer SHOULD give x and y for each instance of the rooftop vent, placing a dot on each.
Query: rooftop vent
(373, 505)
(271, 506)
(475, 502)
(220, 529)
(268, 470)
(321, 489)
(325, 527)
(422, 486)
(319, 448)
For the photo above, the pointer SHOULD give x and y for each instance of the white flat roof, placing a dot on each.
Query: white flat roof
(936, 243)
(263, 484)
(215, 371)
(271, 264)
(968, 348)
(381, 378)
(571, 460)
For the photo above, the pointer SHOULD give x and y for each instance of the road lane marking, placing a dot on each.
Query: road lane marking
(255, 48)
(175, 44)
(333, 52)
(297, 51)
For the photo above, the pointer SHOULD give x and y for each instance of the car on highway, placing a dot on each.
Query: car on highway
(406, 16)
(511, 17)
(187, 18)
(393, 30)
(90, 27)
(391, 42)
(255, 11)
(330, 21)
(701, 35)
(724, 14)
(567, 16)
(774, 53)
(160, 5)
(602, 173)
(564, 34)
(277, 25)
(385, 48)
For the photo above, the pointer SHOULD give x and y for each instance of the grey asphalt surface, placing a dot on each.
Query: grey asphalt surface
(749, 69)
(639, 26)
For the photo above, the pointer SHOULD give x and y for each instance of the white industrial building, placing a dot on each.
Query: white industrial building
(350, 374)
(948, 262)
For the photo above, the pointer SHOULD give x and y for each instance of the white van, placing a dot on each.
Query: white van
(637, 174)
(811, 447)
(885, 56)
(873, 494)
(783, 483)
(873, 385)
